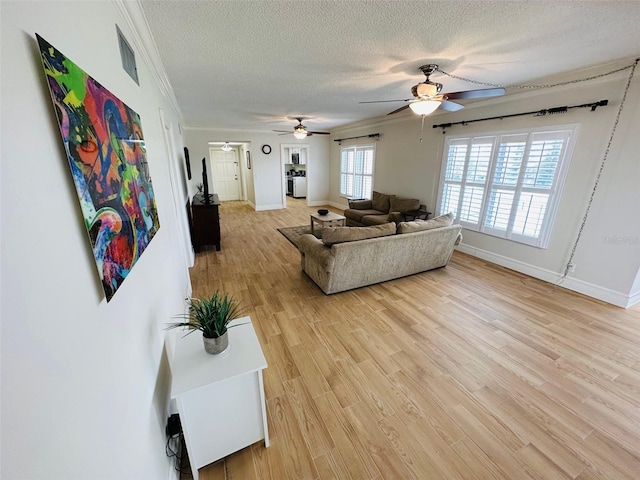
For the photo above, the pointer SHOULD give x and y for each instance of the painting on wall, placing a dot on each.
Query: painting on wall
(105, 149)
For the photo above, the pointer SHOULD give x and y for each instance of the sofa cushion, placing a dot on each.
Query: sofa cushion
(419, 225)
(380, 202)
(400, 204)
(375, 219)
(360, 204)
(331, 235)
(358, 215)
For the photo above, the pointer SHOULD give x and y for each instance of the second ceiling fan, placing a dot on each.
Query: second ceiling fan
(427, 97)
(300, 131)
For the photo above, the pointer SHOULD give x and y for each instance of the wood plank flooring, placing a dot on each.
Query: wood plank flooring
(468, 372)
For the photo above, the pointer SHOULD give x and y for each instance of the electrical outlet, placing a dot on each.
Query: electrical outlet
(571, 267)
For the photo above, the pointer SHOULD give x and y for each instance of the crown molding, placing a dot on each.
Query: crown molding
(137, 24)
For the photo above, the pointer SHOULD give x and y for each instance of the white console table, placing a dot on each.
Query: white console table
(220, 397)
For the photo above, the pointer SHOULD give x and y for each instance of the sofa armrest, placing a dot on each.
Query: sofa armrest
(395, 217)
(317, 261)
(308, 243)
(458, 239)
(360, 204)
(315, 249)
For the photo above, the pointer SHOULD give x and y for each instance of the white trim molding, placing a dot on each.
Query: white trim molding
(585, 288)
(275, 206)
(137, 24)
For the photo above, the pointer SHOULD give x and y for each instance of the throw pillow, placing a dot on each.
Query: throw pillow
(420, 225)
(380, 202)
(399, 204)
(332, 235)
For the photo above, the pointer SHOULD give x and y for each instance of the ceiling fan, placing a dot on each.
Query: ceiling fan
(427, 97)
(300, 131)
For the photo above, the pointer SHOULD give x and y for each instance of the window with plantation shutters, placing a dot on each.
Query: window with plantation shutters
(356, 171)
(506, 184)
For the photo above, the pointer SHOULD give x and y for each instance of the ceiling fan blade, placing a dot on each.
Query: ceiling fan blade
(283, 131)
(387, 101)
(398, 110)
(482, 93)
(319, 133)
(288, 133)
(450, 106)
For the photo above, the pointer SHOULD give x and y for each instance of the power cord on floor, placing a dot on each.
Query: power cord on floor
(178, 453)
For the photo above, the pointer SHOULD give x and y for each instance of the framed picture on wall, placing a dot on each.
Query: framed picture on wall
(188, 164)
(106, 153)
(248, 159)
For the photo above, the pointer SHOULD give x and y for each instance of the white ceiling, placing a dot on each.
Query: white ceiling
(250, 64)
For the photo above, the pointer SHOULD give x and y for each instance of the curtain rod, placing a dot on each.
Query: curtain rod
(376, 135)
(538, 113)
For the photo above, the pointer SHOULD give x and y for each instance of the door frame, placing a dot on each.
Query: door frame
(239, 149)
(283, 161)
(180, 194)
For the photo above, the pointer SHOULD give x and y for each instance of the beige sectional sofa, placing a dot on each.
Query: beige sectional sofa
(352, 257)
(382, 208)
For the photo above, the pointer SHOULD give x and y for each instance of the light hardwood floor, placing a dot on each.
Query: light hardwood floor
(468, 372)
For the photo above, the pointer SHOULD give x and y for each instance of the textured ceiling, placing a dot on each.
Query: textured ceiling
(249, 64)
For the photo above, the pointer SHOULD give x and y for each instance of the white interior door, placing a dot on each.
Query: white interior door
(226, 173)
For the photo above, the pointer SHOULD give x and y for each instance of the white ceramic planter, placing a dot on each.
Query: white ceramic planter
(217, 345)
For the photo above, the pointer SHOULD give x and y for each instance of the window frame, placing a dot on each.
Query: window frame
(568, 133)
(355, 149)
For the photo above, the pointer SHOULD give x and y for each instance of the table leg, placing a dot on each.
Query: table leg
(312, 233)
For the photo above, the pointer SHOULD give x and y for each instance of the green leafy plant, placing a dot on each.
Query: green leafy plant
(210, 315)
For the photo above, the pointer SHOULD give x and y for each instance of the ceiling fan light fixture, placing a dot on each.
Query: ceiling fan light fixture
(300, 132)
(424, 107)
(226, 147)
(426, 90)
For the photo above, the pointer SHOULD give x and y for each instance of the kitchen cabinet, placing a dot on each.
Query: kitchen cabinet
(302, 155)
(296, 155)
(299, 187)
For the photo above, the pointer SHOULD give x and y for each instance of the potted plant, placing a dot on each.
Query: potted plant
(210, 315)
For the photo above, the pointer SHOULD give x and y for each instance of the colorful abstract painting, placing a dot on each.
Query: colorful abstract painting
(105, 149)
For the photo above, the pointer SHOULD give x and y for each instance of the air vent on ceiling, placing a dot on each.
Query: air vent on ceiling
(128, 56)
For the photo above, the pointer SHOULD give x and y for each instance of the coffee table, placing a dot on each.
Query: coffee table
(329, 218)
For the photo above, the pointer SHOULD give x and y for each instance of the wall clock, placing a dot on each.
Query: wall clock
(266, 149)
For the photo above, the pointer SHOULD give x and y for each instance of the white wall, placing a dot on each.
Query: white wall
(266, 173)
(403, 166)
(85, 384)
(606, 268)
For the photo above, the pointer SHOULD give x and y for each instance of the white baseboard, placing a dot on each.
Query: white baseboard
(275, 206)
(318, 203)
(337, 205)
(173, 473)
(634, 298)
(589, 289)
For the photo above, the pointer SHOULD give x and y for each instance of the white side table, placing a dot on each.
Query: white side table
(220, 397)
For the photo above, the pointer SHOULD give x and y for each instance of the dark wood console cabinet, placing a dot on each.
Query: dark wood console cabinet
(205, 222)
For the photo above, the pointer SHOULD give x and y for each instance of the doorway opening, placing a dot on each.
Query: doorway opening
(294, 160)
(229, 170)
